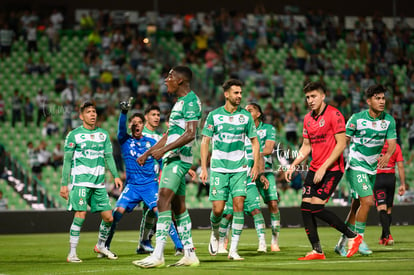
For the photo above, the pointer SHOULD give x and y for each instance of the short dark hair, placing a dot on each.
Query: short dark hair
(258, 108)
(185, 71)
(231, 82)
(141, 116)
(152, 107)
(314, 85)
(375, 89)
(87, 104)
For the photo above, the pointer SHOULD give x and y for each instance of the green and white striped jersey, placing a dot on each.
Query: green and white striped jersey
(151, 134)
(228, 132)
(187, 108)
(249, 151)
(368, 136)
(88, 162)
(266, 132)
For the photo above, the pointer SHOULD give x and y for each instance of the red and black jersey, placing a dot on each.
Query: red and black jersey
(321, 130)
(396, 157)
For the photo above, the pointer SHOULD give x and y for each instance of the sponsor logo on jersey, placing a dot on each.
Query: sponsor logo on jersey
(71, 145)
(148, 145)
(83, 145)
(231, 119)
(308, 123)
(82, 136)
(363, 132)
(374, 124)
(351, 126)
(210, 127)
(305, 132)
(92, 136)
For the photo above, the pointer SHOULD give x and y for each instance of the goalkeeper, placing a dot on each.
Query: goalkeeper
(141, 181)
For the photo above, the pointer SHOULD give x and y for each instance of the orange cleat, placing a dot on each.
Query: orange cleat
(313, 255)
(353, 245)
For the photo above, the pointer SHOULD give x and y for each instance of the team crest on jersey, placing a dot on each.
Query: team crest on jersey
(214, 192)
(364, 187)
(81, 202)
(383, 124)
(101, 136)
(321, 123)
(148, 145)
(241, 119)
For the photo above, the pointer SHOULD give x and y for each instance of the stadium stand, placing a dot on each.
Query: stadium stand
(159, 51)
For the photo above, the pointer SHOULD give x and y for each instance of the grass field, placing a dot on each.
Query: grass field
(46, 254)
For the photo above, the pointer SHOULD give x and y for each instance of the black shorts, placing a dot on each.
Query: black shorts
(324, 189)
(384, 189)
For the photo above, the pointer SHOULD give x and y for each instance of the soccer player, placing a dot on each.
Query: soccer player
(251, 206)
(324, 136)
(176, 147)
(141, 181)
(152, 121)
(367, 132)
(227, 127)
(384, 189)
(87, 148)
(267, 138)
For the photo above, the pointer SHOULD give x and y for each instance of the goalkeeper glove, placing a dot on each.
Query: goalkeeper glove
(126, 105)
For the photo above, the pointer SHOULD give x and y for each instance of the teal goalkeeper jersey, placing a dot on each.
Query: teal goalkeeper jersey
(228, 132)
(266, 132)
(186, 109)
(368, 136)
(88, 162)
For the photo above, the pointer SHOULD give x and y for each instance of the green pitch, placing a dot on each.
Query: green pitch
(46, 254)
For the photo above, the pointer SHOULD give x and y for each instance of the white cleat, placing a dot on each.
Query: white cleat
(73, 259)
(262, 247)
(104, 252)
(222, 249)
(233, 255)
(213, 245)
(187, 261)
(149, 262)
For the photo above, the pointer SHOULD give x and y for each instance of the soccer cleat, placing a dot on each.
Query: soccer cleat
(179, 252)
(222, 249)
(313, 255)
(339, 249)
(364, 250)
(213, 245)
(389, 240)
(145, 247)
(353, 245)
(233, 255)
(274, 247)
(149, 262)
(381, 240)
(187, 261)
(73, 259)
(106, 252)
(262, 247)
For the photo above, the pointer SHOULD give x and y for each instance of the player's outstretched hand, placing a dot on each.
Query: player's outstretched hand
(265, 182)
(203, 176)
(192, 174)
(126, 105)
(118, 183)
(64, 192)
